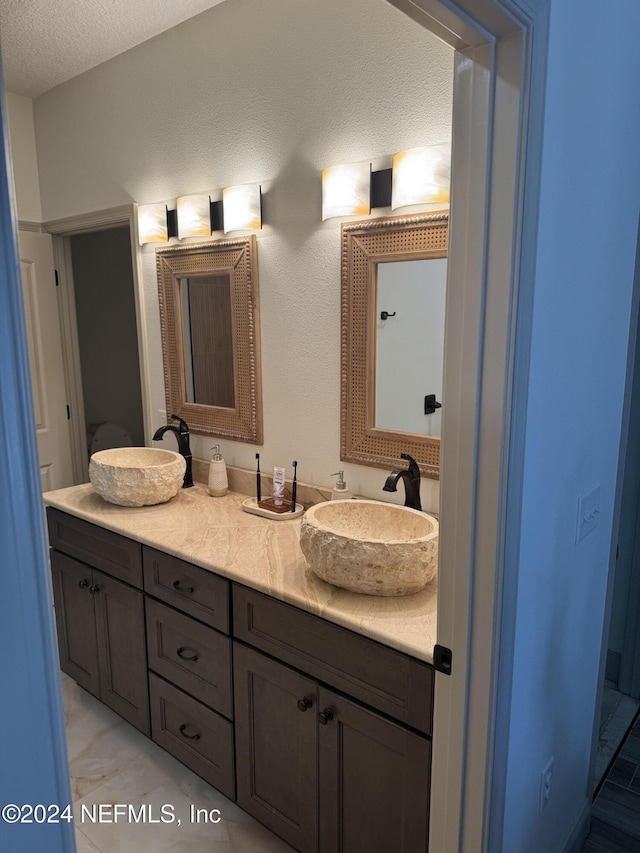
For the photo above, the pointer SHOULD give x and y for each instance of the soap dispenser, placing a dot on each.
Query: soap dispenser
(218, 481)
(340, 492)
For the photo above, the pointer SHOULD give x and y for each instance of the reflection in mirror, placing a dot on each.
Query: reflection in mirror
(393, 294)
(207, 339)
(409, 345)
(209, 320)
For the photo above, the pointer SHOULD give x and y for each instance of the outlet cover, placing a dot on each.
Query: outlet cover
(588, 511)
(546, 782)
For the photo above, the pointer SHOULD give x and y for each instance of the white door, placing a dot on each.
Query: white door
(45, 357)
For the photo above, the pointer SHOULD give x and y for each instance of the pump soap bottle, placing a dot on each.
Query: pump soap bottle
(218, 481)
(340, 492)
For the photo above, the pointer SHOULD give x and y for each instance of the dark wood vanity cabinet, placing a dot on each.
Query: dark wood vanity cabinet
(100, 624)
(320, 733)
(190, 668)
(323, 772)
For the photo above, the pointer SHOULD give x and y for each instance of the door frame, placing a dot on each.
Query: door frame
(499, 93)
(62, 230)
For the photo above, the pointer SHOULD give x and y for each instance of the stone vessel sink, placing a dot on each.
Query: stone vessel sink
(370, 547)
(136, 476)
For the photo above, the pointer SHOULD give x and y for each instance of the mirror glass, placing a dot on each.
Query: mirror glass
(210, 326)
(394, 273)
(207, 339)
(409, 345)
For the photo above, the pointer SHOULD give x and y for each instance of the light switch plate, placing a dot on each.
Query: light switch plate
(588, 511)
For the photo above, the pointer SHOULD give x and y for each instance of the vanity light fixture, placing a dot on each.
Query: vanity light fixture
(421, 176)
(346, 190)
(194, 216)
(153, 223)
(242, 208)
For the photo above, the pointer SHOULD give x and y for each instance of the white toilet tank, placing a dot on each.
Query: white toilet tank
(109, 435)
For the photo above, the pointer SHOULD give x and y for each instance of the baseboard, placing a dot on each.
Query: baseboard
(578, 835)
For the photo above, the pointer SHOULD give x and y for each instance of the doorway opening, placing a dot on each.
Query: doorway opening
(620, 672)
(104, 299)
(103, 333)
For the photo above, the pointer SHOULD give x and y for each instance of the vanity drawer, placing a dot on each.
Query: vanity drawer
(392, 682)
(114, 554)
(190, 655)
(195, 735)
(191, 589)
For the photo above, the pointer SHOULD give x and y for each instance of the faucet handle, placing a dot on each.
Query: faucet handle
(413, 465)
(184, 426)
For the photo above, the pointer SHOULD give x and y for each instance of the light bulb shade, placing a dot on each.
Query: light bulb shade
(194, 216)
(346, 190)
(241, 208)
(152, 223)
(421, 176)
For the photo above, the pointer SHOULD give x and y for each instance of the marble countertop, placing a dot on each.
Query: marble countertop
(217, 535)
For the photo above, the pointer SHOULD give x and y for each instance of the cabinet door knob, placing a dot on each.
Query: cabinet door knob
(183, 732)
(95, 588)
(325, 716)
(181, 653)
(177, 585)
(305, 703)
(83, 584)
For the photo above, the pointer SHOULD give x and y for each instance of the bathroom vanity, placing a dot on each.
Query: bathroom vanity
(201, 625)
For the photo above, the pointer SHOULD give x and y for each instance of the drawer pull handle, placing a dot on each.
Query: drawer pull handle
(95, 588)
(325, 716)
(83, 584)
(178, 588)
(181, 653)
(305, 703)
(183, 732)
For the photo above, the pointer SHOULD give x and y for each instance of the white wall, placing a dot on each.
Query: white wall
(23, 154)
(247, 92)
(585, 264)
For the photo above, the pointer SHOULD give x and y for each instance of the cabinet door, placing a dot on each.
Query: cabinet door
(122, 653)
(374, 781)
(276, 762)
(75, 621)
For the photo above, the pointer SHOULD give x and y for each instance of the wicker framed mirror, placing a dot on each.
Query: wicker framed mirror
(209, 317)
(375, 424)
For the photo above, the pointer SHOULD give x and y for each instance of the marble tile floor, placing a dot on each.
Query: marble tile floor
(617, 714)
(111, 762)
(615, 815)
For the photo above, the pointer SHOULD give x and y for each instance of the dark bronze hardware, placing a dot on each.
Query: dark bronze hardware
(431, 404)
(178, 588)
(183, 732)
(83, 584)
(95, 588)
(411, 480)
(442, 659)
(384, 315)
(325, 716)
(305, 703)
(184, 449)
(182, 649)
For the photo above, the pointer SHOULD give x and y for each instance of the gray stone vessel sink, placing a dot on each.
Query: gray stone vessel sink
(136, 476)
(370, 547)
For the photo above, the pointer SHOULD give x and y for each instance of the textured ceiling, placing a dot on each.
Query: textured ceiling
(45, 42)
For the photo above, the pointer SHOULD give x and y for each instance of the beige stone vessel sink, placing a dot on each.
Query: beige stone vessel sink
(370, 547)
(136, 476)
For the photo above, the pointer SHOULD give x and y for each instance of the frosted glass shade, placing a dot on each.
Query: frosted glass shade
(346, 190)
(194, 219)
(421, 176)
(241, 208)
(152, 223)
